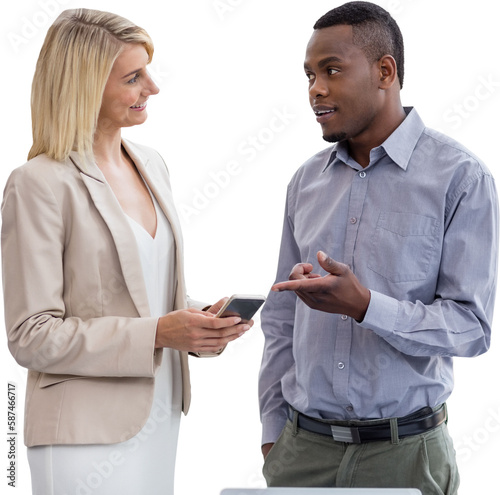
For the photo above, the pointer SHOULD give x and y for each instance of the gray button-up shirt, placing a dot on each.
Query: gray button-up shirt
(419, 228)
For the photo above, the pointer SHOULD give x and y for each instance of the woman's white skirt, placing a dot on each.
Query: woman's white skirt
(144, 464)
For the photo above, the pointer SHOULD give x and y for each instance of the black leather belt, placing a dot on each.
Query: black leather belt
(368, 431)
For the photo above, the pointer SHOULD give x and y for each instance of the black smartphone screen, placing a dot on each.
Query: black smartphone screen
(243, 307)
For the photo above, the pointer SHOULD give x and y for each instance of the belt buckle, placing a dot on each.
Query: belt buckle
(346, 434)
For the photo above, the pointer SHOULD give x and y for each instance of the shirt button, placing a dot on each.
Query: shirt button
(353, 220)
(341, 365)
(350, 408)
(362, 175)
(344, 317)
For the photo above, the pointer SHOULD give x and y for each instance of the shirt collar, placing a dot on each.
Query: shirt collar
(398, 146)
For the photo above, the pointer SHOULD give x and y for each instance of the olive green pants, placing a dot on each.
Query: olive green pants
(426, 462)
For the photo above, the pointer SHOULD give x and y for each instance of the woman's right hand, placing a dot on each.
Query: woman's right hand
(192, 330)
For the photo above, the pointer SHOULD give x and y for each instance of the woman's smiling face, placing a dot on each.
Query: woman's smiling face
(127, 90)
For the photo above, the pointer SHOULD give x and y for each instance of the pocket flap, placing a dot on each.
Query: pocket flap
(48, 379)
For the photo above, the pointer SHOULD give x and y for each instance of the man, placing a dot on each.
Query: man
(357, 362)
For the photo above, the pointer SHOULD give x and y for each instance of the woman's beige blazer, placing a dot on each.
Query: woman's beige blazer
(76, 307)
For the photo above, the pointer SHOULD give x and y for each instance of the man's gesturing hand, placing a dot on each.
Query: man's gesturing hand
(337, 292)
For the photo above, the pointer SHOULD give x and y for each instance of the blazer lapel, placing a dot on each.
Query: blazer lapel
(106, 203)
(160, 187)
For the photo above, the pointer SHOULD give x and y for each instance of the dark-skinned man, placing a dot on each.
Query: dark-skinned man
(387, 271)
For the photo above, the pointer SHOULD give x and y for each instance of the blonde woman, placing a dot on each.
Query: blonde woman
(95, 299)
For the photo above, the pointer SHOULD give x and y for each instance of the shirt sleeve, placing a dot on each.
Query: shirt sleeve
(41, 334)
(458, 321)
(277, 321)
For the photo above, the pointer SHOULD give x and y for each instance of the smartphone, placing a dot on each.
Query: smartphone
(244, 306)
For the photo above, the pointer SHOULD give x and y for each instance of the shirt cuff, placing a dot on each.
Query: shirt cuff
(381, 315)
(272, 427)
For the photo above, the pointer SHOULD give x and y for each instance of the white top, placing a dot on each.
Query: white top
(158, 261)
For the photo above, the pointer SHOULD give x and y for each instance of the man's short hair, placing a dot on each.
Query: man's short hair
(374, 31)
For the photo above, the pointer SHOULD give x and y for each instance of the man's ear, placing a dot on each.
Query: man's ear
(388, 72)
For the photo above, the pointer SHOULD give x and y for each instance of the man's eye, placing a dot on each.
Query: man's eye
(309, 76)
(332, 71)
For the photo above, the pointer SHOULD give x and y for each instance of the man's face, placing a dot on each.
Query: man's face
(343, 84)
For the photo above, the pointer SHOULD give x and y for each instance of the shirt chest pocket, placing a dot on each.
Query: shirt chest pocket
(403, 246)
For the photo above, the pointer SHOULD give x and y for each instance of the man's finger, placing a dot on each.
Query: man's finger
(300, 270)
(315, 284)
(329, 264)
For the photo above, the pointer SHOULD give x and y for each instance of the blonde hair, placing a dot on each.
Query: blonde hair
(71, 72)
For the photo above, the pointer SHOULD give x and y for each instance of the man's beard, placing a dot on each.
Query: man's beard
(335, 138)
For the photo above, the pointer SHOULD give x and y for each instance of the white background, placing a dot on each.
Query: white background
(226, 69)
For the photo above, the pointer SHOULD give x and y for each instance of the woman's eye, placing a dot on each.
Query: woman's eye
(134, 79)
